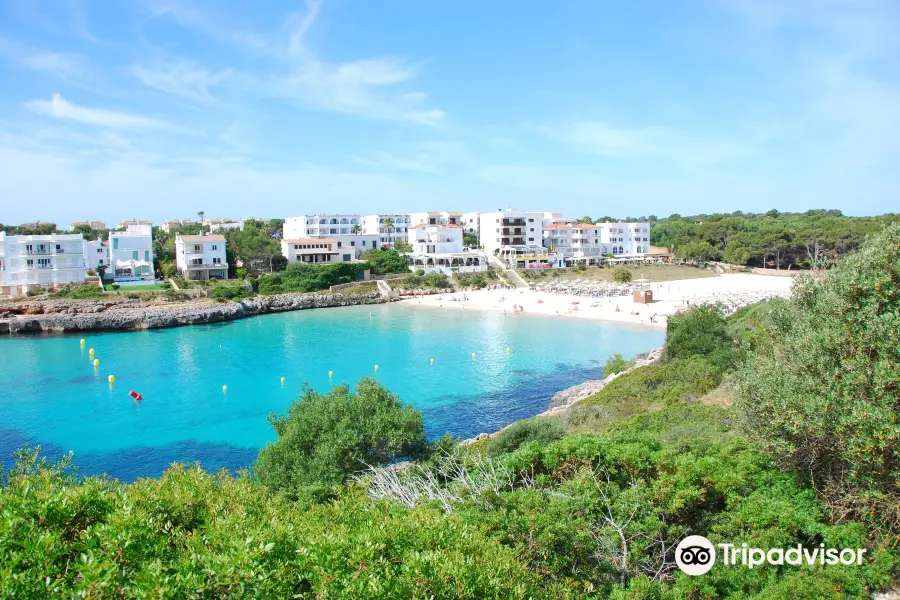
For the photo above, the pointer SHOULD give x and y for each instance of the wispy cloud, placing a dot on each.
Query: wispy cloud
(185, 79)
(66, 65)
(432, 156)
(60, 108)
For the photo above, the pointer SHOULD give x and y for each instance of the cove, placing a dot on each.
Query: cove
(52, 395)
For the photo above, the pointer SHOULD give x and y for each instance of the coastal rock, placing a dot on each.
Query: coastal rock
(131, 314)
(570, 396)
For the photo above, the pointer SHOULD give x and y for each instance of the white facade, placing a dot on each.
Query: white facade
(511, 228)
(170, 225)
(374, 224)
(34, 261)
(320, 225)
(556, 218)
(470, 222)
(440, 248)
(436, 218)
(226, 225)
(201, 256)
(96, 254)
(584, 240)
(431, 239)
(131, 252)
(318, 250)
(125, 224)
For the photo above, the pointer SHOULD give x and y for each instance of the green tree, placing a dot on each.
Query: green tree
(356, 228)
(586, 220)
(701, 331)
(324, 438)
(402, 247)
(389, 225)
(169, 270)
(823, 395)
(386, 260)
(201, 215)
(622, 275)
(470, 239)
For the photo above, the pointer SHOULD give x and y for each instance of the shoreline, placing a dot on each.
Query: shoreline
(669, 298)
(76, 316)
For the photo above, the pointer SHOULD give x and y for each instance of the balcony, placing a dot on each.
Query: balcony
(508, 222)
(206, 266)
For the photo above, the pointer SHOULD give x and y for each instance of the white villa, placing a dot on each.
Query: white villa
(590, 242)
(375, 225)
(96, 254)
(131, 253)
(440, 248)
(201, 256)
(30, 262)
(514, 235)
(316, 250)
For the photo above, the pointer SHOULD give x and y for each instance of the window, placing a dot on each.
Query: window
(347, 257)
(115, 243)
(134, 255)
(43, 263)
(531, 220)
(217, 260)
(339, 244)
(532, 229)
(215, 247)
(99, 250)
(147, 255)
(364, 242)
(353, 242)
(100, 262)
(29, 262)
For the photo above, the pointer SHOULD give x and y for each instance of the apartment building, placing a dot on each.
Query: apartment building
(391, 227)
(436, 218)
(440, 248)
(30, 262)
(586, 241)
(131, 253)
(321, 225)
(318, 250)
(512, 231)
(470, 222)
(201, 256)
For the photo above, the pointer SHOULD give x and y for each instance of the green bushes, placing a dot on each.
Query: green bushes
(298, 277)
(616, 364)
(78, 291)
(434, 281)
(621, 275)
(701, 331)
(231, 292)
(384, 261)
(821, 392)
(324, 438)
(540, 430)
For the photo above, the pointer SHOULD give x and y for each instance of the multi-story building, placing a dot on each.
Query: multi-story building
(586, 241)
(321, 225)
(131, 252)
(125, 224)
(201, 256)
(436, 218)
(318, 250)
(470, 222)
(30, 262)
(391, 227)
(225, 225)
(96, 254)
(170, 225)
(96, 225)
(556, 218)
(512, 231)
(440, 248)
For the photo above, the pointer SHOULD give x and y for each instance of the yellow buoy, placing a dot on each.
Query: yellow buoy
(282, 380)
(507, 348)
(473, 355)
(111, 379)
(91, 351)
(224, 388)
(432, 361)
(330, 373)
(81, 342)
(376, 367)
(96, 362)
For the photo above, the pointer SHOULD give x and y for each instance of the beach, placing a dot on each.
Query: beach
(668, 298)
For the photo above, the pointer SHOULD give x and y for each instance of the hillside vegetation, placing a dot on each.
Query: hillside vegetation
(590, 505)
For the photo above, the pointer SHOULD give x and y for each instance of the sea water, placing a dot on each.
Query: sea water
(52, 395)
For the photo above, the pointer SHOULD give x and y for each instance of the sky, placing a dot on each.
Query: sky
(156, 109)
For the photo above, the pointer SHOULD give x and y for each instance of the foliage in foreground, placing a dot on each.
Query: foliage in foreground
(823, 394)
(298, 277)
(324, 438)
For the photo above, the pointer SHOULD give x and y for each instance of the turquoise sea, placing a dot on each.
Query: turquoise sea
(52, 395)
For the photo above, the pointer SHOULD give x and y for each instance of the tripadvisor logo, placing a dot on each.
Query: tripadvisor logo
(696, 555)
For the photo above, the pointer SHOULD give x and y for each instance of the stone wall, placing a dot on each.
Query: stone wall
(62, 316)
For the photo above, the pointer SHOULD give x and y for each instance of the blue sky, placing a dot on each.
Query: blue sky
(160, 108)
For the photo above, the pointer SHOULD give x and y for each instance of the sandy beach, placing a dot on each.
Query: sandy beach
(669, 297)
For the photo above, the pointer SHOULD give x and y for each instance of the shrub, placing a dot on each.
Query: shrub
(537, 429)
(298, 277)
(324, 438)
(616, 364)
(91, 273)
(386, 260)
(78, 291)
(169, 270)
(622, 275)
(703, 331)
(115, 286)
(822, 394)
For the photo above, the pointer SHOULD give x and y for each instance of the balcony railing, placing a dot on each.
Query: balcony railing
(508, 222)
(206, 266)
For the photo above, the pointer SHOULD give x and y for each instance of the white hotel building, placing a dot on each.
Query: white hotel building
(30, 262)
(317, 250)
(590, 242)
(131, 253)
(336, 227)
(201, 256)
(514, 235)
(375, 225)
(440, 248)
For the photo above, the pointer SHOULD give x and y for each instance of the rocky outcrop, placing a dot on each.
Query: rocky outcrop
(571, 395)
(561, 401)
(120, 315)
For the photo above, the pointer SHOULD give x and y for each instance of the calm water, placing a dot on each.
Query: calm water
(52, 395)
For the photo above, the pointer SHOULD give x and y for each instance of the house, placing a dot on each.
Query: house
(96, 254)
(30, 262)
(95, 225)
(201, 256)
(590, 242)
(170, 225)
(440, 248)
(317, 250)
(131, 253)
(125, 224)
(514, 235)
(375, 224)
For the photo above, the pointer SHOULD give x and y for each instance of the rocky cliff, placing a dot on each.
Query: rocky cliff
(63, 316)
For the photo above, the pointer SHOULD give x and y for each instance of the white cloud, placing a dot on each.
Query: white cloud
(59, 108)
(184, 79)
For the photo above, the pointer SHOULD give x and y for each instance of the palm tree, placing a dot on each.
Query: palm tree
(389, 225)
(356, 228)
(201, 214)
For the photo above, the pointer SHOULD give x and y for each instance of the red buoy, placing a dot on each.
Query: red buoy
(135, 395)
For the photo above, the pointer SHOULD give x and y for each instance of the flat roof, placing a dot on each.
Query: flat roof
(312, 241)
(202, 238)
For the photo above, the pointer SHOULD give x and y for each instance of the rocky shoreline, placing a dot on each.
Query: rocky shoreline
(70, 316)
(563, 400)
